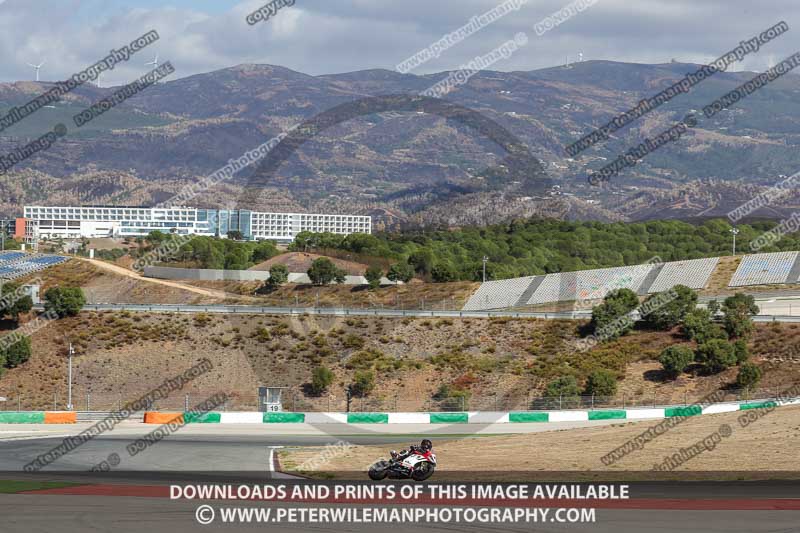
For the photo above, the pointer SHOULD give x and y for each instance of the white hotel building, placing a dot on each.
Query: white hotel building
(108, 221)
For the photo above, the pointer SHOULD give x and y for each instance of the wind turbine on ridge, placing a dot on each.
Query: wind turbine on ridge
(36, 67)
(154, 62)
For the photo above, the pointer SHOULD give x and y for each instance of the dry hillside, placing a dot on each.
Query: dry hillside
(500, 363)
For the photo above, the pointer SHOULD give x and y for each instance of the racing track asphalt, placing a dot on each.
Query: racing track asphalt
(204, 452)
(222, 447)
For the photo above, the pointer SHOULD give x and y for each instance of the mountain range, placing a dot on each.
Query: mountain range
(406, 166)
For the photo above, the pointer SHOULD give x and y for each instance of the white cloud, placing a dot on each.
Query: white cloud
(320, 36)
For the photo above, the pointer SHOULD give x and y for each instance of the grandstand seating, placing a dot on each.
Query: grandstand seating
(757, 269)
(694, 274)
(17, 264)
(765, 269)
(589, 284)
(499, 294)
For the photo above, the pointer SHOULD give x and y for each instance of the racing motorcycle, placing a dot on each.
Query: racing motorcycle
(417, 463)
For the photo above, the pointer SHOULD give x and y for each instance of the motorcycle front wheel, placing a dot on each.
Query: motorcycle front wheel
(422, 472)
(379, 471)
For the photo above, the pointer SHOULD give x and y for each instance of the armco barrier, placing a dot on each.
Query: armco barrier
(38, 417)
(477, 417)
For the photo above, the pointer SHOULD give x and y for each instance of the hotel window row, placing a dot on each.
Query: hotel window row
(74, 222)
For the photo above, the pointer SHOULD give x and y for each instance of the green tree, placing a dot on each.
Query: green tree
(716, 355)
(278, 275)
(13, 302)
(374, 275)
(155, 237)
(443, 273)
(669, 308)
(697, 326)
(675, 359)
(737, 311)
(64, 301)
(17, 353)
(748, 377)
(541, 246)
(422, 261)
(713, 307)
(400, 272)
(321, 378)
(238, 258)
(741, 352)
(363, 383)
(608, 320)
(323, 271)
(263, 250)
(602, 383)
(235, 235)
(563, 387)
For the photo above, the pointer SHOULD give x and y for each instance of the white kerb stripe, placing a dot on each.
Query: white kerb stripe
(631, 414)
(568, 416)
(720, 408)
(241, 418)
(409, 418)
(326, 418)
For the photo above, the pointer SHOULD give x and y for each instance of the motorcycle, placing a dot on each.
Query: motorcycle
(418, 465)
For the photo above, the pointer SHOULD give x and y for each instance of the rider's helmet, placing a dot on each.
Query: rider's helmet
(426, 445)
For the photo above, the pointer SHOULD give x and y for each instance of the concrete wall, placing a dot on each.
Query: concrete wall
(238, 275)
(205, 274)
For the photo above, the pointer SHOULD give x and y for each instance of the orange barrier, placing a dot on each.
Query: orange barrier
(60, 417)
(152, 417)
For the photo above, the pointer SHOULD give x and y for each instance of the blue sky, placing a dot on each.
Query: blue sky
(330, 36)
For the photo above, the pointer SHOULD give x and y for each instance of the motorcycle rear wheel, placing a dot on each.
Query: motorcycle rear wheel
(379, 471)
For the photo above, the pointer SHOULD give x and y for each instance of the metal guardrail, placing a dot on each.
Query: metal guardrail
(92, 405)
(345, 311)
(331, 311)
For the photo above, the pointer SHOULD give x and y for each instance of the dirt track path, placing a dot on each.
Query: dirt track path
(211, 293)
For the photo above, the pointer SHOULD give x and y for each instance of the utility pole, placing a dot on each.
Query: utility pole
(735, 232)
(69, 384)
(485, 259)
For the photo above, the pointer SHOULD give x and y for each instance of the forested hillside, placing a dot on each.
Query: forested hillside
(535, 247)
